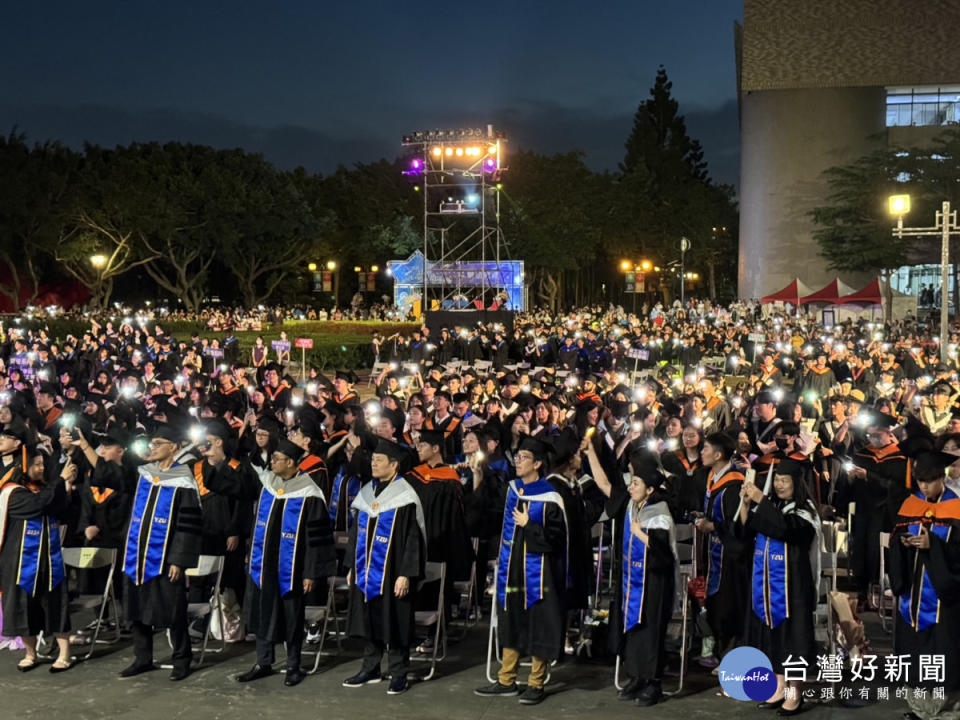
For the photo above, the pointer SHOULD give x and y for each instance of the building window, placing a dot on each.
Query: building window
(923, 106)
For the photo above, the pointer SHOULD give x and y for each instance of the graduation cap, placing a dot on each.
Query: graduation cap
(332, 409)
(941, 388)
(217, 427)
(932, 465)
(790, 467)
(47, 388)
(291, 450)
(539, 449)
(390, 449)
(115, 436)
(565, 445)
(432, 437)
(347, 375)
(880, 420)
(16, 429)
(269, 425)
(645, 465)
(169, 432)
(395, 417)
(766, 398)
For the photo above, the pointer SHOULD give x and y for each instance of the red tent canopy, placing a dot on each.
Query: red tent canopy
(828, 294)
(790, 294)
(870, 295)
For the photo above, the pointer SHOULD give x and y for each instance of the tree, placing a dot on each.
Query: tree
(659, 140)
(854, 231)
(35, 184)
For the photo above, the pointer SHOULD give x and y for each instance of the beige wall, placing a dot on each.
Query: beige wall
(788, 138)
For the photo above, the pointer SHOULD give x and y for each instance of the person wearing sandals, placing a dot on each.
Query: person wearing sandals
(32, 575)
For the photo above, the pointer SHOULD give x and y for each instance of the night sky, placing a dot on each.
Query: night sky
(320, 83)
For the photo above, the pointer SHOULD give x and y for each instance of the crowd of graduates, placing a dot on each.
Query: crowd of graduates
(481, 446)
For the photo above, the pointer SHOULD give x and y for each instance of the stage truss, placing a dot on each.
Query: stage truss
(465, 256)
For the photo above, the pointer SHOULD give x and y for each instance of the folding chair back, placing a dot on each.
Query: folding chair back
(208, 566)
(885, 599)
(435, 618)
(323, 615)
(91, 558)
(378, 367)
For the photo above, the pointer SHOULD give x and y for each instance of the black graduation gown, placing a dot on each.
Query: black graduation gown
(725, 606)
(580, 518)
(155, 602)
(911, 572)
(795, 634)
(642, 647)
(441, 495)
(538, 630)
(47, 610)
(269, 611)
(387, 618)
(109, 510)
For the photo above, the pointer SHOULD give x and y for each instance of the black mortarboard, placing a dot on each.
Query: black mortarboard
(16, 429)
(432, 437)
(168, 432)
(877, 419)
(292, 451)
(390, 449)
(270, 425)
(565, 444)
(789, 467)
(115, 436)
(539, 449)
(644, 464)
(217, 427)
(766, 398)
(931, 464)
(347, 375)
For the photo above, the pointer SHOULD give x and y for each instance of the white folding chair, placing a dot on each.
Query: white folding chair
(469, 602)
(90, 558)
(827, 583)
(435, 619)
(482, 366)
(687, 539)
(207, 566)
(378, 367)
(323, 615)
(886, 603)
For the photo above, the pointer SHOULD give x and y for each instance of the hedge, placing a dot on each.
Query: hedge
(344, 345)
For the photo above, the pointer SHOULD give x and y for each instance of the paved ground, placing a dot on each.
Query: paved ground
(578, 689)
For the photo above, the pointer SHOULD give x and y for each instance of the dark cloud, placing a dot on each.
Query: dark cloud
(541, 126)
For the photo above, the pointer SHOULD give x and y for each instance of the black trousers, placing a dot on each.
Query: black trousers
(143, 642)
(398, 658)
(287, 622)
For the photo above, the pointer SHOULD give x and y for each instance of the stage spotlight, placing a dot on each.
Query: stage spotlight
(415, 164)
(437, 151)
(459, 152)
(449, 152)
(492, 150)
(472, 199)
(490, 163)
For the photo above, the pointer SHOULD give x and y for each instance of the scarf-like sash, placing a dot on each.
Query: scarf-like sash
(652, 517)
(536, 495)
(31, 554)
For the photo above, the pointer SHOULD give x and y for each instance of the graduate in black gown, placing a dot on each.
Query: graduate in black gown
(785, 571)
(530, 575)
(925, 569)
(291, 550)
(645, 563)
(33, 580)
(161, 542)
(387, 555)
(728, 554)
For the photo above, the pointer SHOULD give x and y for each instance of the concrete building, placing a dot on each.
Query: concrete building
(821, 84)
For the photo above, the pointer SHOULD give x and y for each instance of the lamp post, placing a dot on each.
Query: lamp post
(99, 262)
(945, 225)
(333, 267)
(638, 270)
(684, 246)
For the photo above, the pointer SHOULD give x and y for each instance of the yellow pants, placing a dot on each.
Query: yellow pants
(508, 669)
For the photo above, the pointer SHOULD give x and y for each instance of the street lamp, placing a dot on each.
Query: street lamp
(625, 265)
(332, 267)
(98, 261)
(312, 267)
(945, 225)
(374, 268)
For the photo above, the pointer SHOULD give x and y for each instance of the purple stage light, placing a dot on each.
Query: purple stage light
(491, 163)
(415, 164)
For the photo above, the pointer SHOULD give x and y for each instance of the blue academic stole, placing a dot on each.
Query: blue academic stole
(634, 574)
(533, 571)
(31, 554)
(264, 508)
(715, 549)
(289, 532)
(926, 610)
(371, 555)
(771, 579)
(155, 552)
(353, 488)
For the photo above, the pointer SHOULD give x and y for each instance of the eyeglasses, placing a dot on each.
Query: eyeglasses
(160, 442)
(523, 456)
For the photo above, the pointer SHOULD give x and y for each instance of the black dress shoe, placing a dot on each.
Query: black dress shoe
(294, 677)
(770, 704)
(364, 677)
(650, 695)
(255, 673)
(179, 673)
(398, 684)
(796, 711)
(136, 669)
(631, 691)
